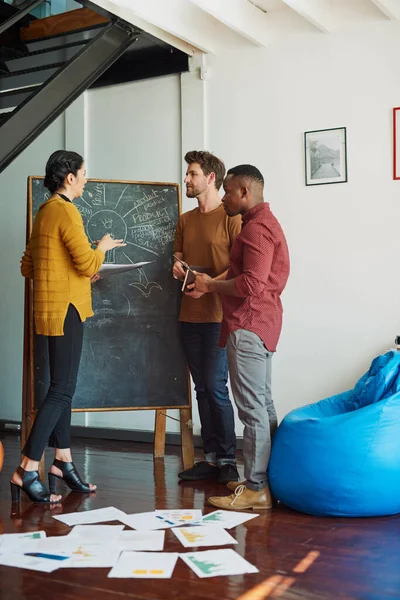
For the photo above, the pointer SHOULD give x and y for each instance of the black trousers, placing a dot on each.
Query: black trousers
(53, 420)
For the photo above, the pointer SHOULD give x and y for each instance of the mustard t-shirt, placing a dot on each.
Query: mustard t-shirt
(205, 239)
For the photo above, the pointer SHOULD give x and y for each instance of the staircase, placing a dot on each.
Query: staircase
(45, 64)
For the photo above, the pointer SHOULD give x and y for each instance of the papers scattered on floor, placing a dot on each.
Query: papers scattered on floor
(152, 541)
(99, 515)
(33, 563)
(227, 518)
(203, 535)
(180, 517)
(10, 540)
(211, 563)
(141, 565)
(131, 554)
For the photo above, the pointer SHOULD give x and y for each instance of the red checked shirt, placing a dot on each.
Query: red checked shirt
(259, 261)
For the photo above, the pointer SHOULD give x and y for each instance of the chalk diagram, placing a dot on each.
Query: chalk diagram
(145, 226)
(107, 221)
(138, 216)
(144, 285)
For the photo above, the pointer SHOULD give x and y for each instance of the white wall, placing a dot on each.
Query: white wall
(342, 302)
(13, 186)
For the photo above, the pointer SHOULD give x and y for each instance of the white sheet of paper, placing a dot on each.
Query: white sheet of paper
(9, 540)
(98, 515)
(113, 269)
(93, 555)
(60, 545)
(30, 562)
(227, 518)
(211, 563)
(180, 517)
(145, 521)
(95, 534)
(142, 565)
(152, 541)
(203, 535)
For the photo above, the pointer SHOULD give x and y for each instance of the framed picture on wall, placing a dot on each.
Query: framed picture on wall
(325, 156)
(396, 143)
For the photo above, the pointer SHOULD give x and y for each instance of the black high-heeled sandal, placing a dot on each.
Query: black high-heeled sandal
(70, 477)
(33, 487)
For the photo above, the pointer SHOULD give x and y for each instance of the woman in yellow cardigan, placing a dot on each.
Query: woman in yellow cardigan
(61, 263)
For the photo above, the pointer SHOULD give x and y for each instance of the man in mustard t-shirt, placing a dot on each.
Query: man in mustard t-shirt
(204, 237)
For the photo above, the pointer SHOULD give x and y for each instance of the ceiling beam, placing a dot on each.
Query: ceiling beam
(240, 15)
(316, 12)
(178, 23)
(390, 8)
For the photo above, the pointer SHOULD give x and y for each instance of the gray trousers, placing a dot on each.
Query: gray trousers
(249, 365)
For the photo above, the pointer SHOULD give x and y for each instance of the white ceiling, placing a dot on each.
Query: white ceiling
(201, 25)
(340, 14)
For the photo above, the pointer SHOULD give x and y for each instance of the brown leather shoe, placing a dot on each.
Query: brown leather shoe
(243, 499)
(232, 485)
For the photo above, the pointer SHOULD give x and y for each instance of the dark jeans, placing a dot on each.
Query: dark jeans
(209, 369)
(53, 420)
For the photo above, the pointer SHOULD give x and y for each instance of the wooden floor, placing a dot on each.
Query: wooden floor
(346, 558)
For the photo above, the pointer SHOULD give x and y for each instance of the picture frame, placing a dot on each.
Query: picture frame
(325, 156)
(396, 142)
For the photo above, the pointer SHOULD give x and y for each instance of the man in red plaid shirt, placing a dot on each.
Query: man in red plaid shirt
(252, 322)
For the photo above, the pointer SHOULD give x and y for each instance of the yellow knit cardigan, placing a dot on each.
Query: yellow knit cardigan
(60, 261)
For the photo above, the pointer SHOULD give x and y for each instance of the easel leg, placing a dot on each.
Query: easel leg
(159, 433)
(187, 437)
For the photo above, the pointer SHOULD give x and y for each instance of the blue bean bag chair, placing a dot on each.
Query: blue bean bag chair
(341, 456)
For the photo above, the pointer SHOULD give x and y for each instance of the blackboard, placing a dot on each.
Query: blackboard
(132, 356)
